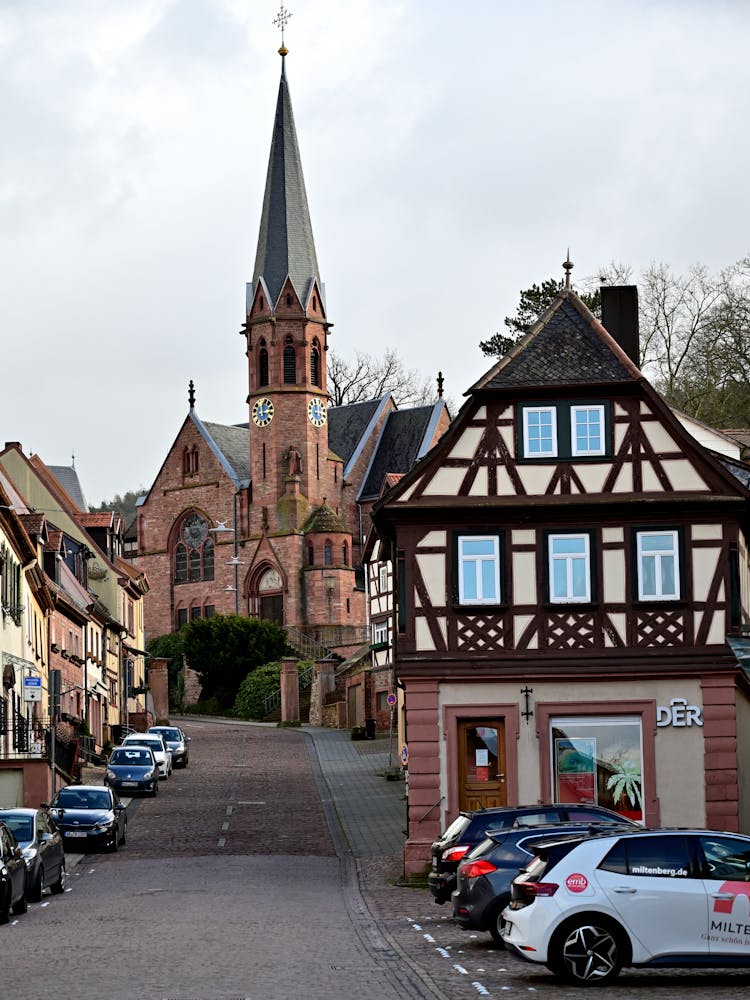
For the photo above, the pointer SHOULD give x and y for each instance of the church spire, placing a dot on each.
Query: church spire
(285, 242)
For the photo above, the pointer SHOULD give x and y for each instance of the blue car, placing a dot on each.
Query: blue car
(89, 816)
(133, 769)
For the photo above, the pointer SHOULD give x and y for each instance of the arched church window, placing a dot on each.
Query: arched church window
(310, 555)
(315, 363)
(328, 554)
(186, 461)
(180, 563)
(315, 303)
(345, 554)
(290, 363)
(194, 459)
(193, 551)
(263, 364)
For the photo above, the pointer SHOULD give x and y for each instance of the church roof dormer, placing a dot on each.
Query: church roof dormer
(285, 242)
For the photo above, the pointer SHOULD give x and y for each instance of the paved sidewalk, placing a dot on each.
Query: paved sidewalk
(371, 809)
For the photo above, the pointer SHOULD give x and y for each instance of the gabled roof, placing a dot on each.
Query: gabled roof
(285, 242)
(566, 346)
(230, 442)
(406, 436)
(348, 428)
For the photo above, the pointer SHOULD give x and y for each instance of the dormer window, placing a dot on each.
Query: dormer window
(539, 432)
(564, 430)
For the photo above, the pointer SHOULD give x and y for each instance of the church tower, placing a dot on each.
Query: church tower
(293, 475)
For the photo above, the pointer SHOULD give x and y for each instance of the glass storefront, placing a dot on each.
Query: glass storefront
(599, 759)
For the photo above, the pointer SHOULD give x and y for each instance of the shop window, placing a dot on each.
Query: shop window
(598, 760)
(478, 569)
(569, 568)
(657, 555)
(539, 432)
(587, 430)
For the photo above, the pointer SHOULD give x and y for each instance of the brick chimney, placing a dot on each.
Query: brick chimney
(620, 318)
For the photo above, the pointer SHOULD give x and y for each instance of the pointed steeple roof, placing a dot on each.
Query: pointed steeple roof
(285, 242)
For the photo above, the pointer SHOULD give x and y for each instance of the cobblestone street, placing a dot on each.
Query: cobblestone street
(270, 868)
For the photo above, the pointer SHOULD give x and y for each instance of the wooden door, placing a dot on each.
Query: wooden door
(272, 608)
(481, 763)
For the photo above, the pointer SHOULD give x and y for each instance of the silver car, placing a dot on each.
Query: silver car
(177, 741)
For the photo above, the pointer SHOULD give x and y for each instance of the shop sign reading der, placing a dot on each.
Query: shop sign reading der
(679, 714)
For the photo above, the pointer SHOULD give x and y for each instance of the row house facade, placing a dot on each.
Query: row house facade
(80, 610)
(570, 592)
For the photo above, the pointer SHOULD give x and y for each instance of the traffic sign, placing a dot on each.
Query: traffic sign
(404, 754)
(391, 699)
(32, 688)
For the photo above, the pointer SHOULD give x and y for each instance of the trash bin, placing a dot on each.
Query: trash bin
(370, 728)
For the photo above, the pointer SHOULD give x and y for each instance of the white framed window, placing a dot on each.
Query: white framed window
(479, 569)
(587, 430)
(380, 632)
(383, 578)
(539, 431)
(569, 568)
(658, 566)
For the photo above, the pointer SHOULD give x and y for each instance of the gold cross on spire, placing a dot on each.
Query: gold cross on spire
(281, 20)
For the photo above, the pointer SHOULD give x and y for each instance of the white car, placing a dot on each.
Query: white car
(586, 908)
(155, 743)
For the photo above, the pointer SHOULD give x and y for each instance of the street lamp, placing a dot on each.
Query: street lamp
(221, 529)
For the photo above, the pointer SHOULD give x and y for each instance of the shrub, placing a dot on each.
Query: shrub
(250, 700)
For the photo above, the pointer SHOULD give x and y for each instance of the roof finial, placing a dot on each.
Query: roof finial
(191, 394)
(281, 20)
(440, 385)
(567, 267)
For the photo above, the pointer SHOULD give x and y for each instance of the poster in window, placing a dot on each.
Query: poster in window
(575, 768)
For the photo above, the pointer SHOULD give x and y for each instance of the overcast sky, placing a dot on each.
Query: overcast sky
(451, 153)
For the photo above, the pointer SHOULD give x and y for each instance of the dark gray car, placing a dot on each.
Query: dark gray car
(42, 848)
(484, 877)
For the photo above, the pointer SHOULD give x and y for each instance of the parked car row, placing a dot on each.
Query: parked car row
(586, 895)
(81, 817)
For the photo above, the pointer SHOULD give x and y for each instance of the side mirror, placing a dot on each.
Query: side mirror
(119, 807)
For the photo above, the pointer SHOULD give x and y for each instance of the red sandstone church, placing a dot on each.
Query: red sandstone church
(268, 517)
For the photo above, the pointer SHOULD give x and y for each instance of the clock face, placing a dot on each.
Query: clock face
(316, 412)
(262, 412)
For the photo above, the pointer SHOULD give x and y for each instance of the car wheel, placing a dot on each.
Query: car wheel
(497, 921)
(34, 892)
(59, 886)
(5, 906)
(21, 906)
(155, 790)
(589, 951)
(124, 832)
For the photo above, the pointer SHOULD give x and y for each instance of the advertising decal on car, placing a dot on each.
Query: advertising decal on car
(576, 882)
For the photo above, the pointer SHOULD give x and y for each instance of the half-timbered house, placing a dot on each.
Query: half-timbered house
(572, 579)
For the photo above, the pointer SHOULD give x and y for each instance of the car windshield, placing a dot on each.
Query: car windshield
(82, 798)
(170, 734)
(22, 826)
(134, 756)
(155, 745)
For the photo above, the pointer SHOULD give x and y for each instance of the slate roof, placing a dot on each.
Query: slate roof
(285, 242)
(739, 470)
(399, 447)
(347, 424)
(233, 441)
(67, 477)
(567, 345)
